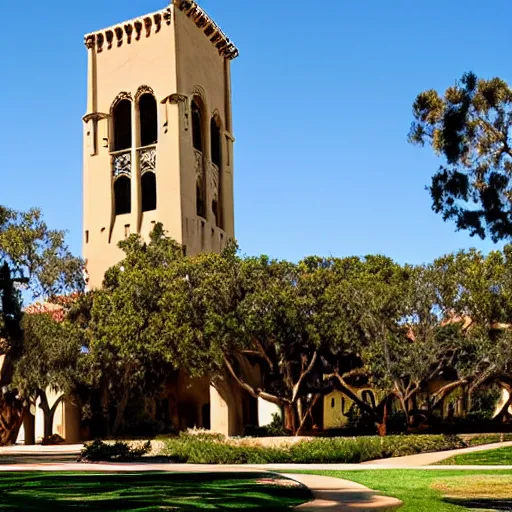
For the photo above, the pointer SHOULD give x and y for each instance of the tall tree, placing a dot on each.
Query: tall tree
(51, 359)
(469, 126)
(37, 259)
(127, 354)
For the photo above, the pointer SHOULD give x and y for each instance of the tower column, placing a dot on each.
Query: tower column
(136, 214)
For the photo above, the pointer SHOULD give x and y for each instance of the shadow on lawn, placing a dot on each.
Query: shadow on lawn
(37, 458)
(498, 505)
(143, 492)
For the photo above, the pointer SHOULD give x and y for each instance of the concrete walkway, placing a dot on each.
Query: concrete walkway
(337, 495)
(426, 459)
(330, 494)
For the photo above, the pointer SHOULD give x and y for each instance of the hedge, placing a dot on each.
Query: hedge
(206, 449)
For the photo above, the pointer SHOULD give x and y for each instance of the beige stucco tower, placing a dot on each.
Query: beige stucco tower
(158, 136)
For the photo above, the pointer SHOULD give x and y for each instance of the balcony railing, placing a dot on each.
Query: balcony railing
(121, 163)
(147, 159)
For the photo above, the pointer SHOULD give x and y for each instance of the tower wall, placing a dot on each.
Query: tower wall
(179, 58)
(127, 71)
(182, 58)
(203, 73)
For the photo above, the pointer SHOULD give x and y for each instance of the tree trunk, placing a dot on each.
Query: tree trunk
(382, 427)
(11, 419)
(503, 412)
(48, 413)
(405, 409)
(120, 412)
(290, 420)
(309, 412)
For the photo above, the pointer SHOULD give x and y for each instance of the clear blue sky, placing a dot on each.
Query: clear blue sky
(322, 106)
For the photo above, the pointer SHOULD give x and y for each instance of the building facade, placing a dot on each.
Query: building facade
(158, 136)
(158, 147)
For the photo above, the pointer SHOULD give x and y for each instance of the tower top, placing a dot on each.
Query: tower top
(133, 30)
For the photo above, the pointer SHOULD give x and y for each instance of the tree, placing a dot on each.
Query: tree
(128, 357)
(52, 358)
(416, 348)
(223, 312)
(481, 304)
(469, 126)
(370, 304)
(37, 259)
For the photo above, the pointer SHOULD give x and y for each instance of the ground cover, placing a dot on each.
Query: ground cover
(439, 491)
(145, 492)
(213, 449)
(497, 456)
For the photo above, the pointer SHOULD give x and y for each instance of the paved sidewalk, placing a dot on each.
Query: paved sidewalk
(426, 459)
(335, 494)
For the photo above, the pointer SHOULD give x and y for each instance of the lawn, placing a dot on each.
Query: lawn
(147, 492)
(437, 491)
(498, 456)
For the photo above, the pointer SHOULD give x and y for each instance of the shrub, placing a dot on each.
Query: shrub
(116, 452)
(487, 439)
(203, 450)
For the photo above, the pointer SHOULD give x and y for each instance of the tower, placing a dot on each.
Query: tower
(158, 142)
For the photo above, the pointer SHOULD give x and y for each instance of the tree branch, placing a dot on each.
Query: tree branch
(256, 393)
(304, 374)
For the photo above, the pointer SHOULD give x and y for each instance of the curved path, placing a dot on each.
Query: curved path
(337, 495)
(330, 494)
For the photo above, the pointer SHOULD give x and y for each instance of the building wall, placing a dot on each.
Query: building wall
(175, 60)
(176, 56)
(202, 72)
(66, 420)
(336, 407)
(149, 62)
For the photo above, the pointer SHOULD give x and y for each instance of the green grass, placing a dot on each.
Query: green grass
(437, 491)
(31, 491)
(496, 457)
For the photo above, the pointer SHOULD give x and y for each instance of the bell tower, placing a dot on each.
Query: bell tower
(158, 135)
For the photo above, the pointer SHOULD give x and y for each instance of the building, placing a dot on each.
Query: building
(158, 135)
(158, 147)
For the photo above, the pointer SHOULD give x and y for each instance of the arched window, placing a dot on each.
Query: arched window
(215, 211)
(148, 120)
(215, 142)
(368, 397)
(200, 205)
(122, 120)
(122, 195)
(197, 126)
(148, 190)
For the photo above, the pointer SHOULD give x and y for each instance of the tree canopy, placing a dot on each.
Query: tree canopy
(469, 126)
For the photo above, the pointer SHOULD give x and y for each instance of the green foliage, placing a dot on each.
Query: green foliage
(127, 351)
(36, 255)
(194, 450)
(115, 452)
(469, 126)
(51, 356)
(479, 440)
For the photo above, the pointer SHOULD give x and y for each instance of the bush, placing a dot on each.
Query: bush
(487, 439)
(200, 450)
(116, 452)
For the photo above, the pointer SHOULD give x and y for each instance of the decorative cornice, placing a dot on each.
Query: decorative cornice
(120, 97)
(143, 89)
(128, 31)
(223, 44)
(176, 98)
(96, 116)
